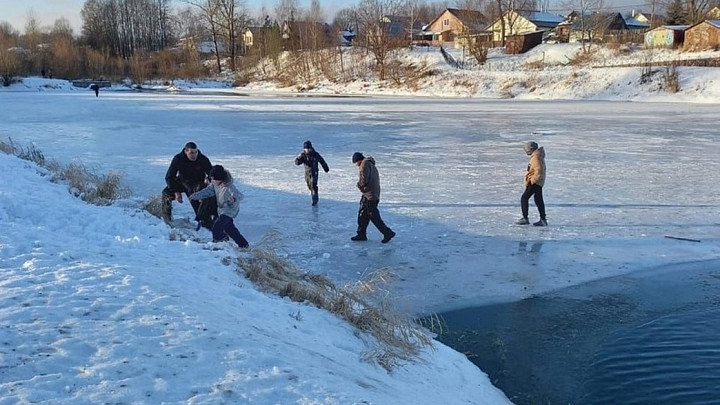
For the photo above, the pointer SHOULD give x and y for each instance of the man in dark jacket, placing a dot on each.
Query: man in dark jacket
(369, 185)
(310, 157)
(187, 174)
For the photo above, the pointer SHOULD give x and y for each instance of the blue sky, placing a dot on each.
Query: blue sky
(47, 11)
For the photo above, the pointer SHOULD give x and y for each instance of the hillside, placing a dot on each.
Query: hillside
(549, 71)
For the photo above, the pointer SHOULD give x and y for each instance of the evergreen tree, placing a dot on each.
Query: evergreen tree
(676, 14)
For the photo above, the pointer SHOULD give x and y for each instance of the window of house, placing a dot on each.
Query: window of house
(446, 21)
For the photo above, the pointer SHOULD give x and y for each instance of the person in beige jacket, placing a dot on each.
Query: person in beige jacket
(534, 182)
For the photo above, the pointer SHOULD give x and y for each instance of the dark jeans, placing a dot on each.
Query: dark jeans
(205, 209)
(367, 212)
(313, 187)
(530, 190)
(225, 226)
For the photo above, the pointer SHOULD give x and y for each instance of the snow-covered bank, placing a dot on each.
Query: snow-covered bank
(547, 72)
(98, 306)
(544, 73)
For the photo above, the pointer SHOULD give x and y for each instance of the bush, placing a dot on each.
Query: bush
(364, 304)
(82, 182)
(671, 79)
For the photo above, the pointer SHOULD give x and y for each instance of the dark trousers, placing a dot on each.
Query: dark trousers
(225, 226)
(313, 187)
(530, 190)
(205, 209)
(368, 212)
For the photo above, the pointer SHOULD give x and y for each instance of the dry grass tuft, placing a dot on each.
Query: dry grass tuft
(91, 187)
(82, 182)
(154, 206)
(583, 58)
(365, 304)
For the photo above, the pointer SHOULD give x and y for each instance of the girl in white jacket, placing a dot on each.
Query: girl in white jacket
(228, 205)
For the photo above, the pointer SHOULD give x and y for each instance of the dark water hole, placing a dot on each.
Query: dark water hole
(647, 338)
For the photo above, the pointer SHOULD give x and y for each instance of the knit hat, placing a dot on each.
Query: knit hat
(357, 156)
(307, 145)
(530, 147)
(217, 173)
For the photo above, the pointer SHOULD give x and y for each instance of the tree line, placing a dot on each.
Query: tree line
(144, 39)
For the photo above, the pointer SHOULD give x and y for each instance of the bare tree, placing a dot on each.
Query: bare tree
(64, 54)
(233, 22)
(316, 35)
(588, 19)
(122, 27)
(346, 19)
(372, 15)
(9, 57)
(210, 11)
(696, 10)
(286, 11)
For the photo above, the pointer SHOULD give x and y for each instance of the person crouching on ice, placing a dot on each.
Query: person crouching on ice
(228, 205)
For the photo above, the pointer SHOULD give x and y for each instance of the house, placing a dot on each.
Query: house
(306, 35)
(713, 14)
(347, 36)
(521, 21)
(203, 45)
(651, 19)
(702, 36)
(455, 25)
(399, 27)
(666, 36)
(255, 36)
(606, 27)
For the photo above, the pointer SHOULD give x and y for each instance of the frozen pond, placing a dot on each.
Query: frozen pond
(621, 176)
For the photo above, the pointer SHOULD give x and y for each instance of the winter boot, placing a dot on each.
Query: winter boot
(359, 237)
(388, 236)
(522, 221)
(541, 222)
(315, 199)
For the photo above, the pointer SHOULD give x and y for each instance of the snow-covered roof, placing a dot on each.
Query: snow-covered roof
(671, 27)
(635, 24)
(542, 19)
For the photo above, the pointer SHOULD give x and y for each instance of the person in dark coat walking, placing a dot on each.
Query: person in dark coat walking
(369, 185)
(188, 173)
(96, 88)
(311, 158)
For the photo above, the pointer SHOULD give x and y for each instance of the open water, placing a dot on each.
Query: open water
(647, 338)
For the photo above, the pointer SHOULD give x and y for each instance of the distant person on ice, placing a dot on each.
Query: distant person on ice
(187, 174)
(534, 182)
(228, 199)
(96, 88)
(369, 185)
(310, 158)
